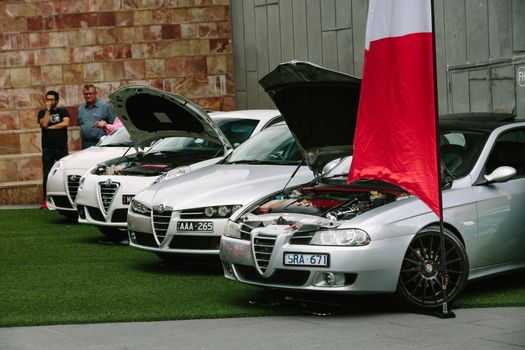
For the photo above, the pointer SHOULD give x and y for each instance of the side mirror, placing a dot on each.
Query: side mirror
(501, 174)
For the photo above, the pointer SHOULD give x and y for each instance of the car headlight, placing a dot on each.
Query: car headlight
(220, 211)
(139, 208)
(55, 168)
(232, 229)
(172, 174)
(344, 237)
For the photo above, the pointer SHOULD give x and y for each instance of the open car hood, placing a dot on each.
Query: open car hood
(150, 114)
(319, 106)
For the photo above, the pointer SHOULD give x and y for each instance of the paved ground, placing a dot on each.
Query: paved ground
(500, 328)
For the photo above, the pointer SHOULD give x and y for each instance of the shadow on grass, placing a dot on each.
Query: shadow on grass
(183, 266)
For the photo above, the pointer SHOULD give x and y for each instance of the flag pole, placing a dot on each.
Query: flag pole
(445, 312)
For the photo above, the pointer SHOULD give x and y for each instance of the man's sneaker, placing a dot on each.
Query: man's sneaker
(44, 205)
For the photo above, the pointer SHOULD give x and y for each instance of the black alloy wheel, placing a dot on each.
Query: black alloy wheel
(419, 283)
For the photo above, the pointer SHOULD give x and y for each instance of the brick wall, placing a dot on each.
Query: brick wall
(183, 46)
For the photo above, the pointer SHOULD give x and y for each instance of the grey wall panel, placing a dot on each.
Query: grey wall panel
(330, 49)
(238, 40)
(479, 96)
(503, 88)
(328, 14)
(500, 28)
(518, 25)
(286, 25)
(247, 22)
(299, 30)
(315, 41)
(358, 34)
(274, 37)
(455, 32)
(460, 99)
(477, 30)
(345, 53)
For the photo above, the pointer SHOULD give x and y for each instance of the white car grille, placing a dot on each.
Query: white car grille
(72, 186)
(262, 249)
(107, 192)
(161, 221)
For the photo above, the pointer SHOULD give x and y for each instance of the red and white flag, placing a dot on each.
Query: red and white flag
(395, 137)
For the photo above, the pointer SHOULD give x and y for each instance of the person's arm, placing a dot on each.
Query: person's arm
(63, 124)
(44, 120)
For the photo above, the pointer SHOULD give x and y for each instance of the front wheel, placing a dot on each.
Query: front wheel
(419, 284)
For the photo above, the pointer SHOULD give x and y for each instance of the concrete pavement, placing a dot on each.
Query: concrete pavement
(490, 329)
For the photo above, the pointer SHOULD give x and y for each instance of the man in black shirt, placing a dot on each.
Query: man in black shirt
(53, 122)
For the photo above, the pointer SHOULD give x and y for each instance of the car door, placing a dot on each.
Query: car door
(501, 206)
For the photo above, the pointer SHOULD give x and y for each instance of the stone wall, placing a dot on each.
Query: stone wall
(183, 46)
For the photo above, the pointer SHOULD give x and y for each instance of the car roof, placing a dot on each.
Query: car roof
(480, 121)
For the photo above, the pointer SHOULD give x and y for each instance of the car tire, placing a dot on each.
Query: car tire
(419, 285)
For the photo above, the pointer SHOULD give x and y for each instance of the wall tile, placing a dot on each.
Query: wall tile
(9, 120)
(52, 74)
(5, 78)
(28, 118)
(217, 64)
(93, 72)
(134, 69)
(31, 142)
(124, 18)
(20, 77)
(8, 171)
(155, 68)
(114, 70)
(141, 18)
(30, 169)
(9, 144)
(36, 76)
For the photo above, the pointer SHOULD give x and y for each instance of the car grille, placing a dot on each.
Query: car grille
(262, 248)
(281, 277)
(195, 242)
(107, 192)
(120, 215)
(161, 221)
(302, 237)
(61, 202)
(246, 228)
(196, 213)
(95, 214)
(72, 186)
(145, 239)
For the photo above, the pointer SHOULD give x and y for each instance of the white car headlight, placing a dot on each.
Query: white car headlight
(232, 229)
(55, 168)
(139, 208)
(344, 237)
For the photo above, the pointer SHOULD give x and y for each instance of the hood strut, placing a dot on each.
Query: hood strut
(293, 174)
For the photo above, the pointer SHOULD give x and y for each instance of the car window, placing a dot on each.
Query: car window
(508, 150)
(460, 149)
(237, 130)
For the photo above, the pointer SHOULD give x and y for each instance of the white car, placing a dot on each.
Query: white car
(192, 140)
(64, 177)
(187, 215)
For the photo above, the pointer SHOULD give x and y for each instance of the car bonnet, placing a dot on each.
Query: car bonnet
(319, 106)
(150, 114)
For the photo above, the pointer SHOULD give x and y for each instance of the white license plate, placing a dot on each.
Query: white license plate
(302, 259)
(196, 226)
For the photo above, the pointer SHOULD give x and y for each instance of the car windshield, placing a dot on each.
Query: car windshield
(236, 130)
(186, 144)
(118, 138)
(274, 145)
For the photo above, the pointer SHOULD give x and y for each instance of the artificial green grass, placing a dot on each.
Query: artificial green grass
(54, 271)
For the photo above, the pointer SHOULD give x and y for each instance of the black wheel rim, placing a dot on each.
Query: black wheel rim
(420, 276)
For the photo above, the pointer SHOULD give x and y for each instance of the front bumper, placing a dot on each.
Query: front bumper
(368, 269)
(143, 236)
(103, 203)
(62, 189)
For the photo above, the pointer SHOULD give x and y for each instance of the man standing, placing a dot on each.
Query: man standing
(89, 113)
(53, 122)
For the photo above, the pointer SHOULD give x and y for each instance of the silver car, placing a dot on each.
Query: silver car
(370, 236)
(186, 215)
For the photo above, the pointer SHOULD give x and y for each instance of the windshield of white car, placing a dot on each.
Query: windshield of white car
(118, 138)
(274, 145)
(185, 144)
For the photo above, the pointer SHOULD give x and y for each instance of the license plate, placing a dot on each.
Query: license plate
(302, 259)
(196, 226)
(126, 198)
